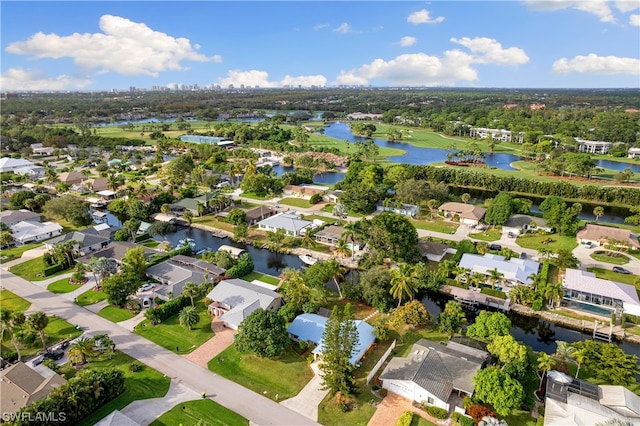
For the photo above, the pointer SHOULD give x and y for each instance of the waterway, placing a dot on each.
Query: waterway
(617, 165)
(328, 178)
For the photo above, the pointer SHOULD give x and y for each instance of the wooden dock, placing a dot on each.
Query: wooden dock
(218, 234)
(472, 299)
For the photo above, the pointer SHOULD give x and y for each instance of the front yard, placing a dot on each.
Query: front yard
(13, 302)
(296, 202)
(33, 270)
(554, 242)
(200, 411)
(436, 225)
(115, 314)
(612, 257)
(62, 286)
(491, 234)
(608, 274)
(7, 255)
(283, 377)
(90, 297)
(172, 336)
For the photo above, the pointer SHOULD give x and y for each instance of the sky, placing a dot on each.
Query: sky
(94, 45)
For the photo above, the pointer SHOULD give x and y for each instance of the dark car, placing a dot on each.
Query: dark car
(55, 354)
(38, 360)
(495, 247)
(621, 270)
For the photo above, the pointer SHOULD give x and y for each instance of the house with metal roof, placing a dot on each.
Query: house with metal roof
(235, 299)
(434, 374)
(179, 270)
(514, 271)
(584, 289)
(28, 231)
(88, 240)
(310, 328)
(11, 217)
(8, 164)
(21, 385)
(292, 224)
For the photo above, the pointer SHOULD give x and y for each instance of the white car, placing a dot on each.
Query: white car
(147, 287)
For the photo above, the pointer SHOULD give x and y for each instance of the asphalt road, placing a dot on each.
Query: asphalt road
(258, 409)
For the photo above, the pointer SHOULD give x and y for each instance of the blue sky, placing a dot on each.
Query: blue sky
(93, 45)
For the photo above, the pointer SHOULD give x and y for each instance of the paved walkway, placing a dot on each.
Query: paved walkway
(97, 307)
(392, 407)
(131, 323)
(146, 411)
(307, 400)
(27, 255)
(212, 347)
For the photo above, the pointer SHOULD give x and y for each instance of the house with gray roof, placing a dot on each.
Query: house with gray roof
(116, 250)
(310, 328)
(87, 240)
(28, 231)
(21, 385)
(523, 223)
(433, 251)
(179, 270)
(514, 271)
(433, 374)
(11, 217)
(292, 224)
(235, 299)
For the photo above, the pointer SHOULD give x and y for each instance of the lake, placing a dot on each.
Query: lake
(328, 178)
(616, 165)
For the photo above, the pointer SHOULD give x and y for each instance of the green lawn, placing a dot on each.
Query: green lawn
(57, 329)
(558, 242)
(295, 202)
(609, 257)
(262, 375)
(253, 196)
(608, 274)
(521, 418)
(62, 286)
(144, 384)
(269, 279)
(325, 219)
(436, 225)
(33, 270)
(13, 302)
(200, 412)
(171, 335)
(90, 297)
(421, 421)
(210, 220)
(491, 234)
(151, 243)
(115, 314)
(7, 255)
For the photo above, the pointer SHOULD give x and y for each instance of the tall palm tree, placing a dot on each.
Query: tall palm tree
(6, 322)
(38, 321)
(465, 197)
(495, 277)
(553, 292)
(460, 273)
(580, 356)
(188, 317)
(432, 204)
(477, 278)
(81, 349)
(598, 212)
(564, 351)
(447, 266)
(308, 241)
(537, 280)
(342, 248)
(191, 290)
(402, 283)
(545, 364)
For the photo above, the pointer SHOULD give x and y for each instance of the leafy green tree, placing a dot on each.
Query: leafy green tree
(608, 362)
(375, 284)
(507, 350)
(392, 235)
(241, 232)
(119, 287)
(81, 349)
(69, 208)
(412, 313)
(104, 344)
(237, 217)
(263, 333)
(38, 321)
(500, 209)
(134, 263)
(489, 325)
(339, 342)
(294, 290)
(188, 317)
(6, 322)
(102, 267)
(451, 318)
(190, 290)
(497, 388)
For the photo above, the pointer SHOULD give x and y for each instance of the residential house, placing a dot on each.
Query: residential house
(257, 214)
(117, 418)
(310, 328)
(433, 251)
(467, 213)
(593, 147)
(600, 235)
(514, 271)
(97, 184)
(570, 401)
(333, 233)
(633, 153)
(21, 385)
(11, 217)
(399, 208)
(304, 191)
(434, 374)
(500, 135)
(191, 204)
(8, 164)
(28, 231)
(290, 222)
(179, 270)
(38, 150)
(33, 172)
(522, 223)
(116, 250)
(332, 196)
(584, 291)
(71, 178)
(88, 240)
(235, 299)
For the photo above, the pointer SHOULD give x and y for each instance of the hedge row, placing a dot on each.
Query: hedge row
(243, 267)
(495, 293)
(50, 270)
(169, 308)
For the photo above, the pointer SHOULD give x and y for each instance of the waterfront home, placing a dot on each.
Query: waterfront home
(11, 217)
(88, 240)
(235, 299)
(179, 270)
(257, 214)
(399, 208)
(434, 374)
(433, 251)
(21, 385)
(8, 164)
(30, 231)
(586, 292)
(71, 178)
(523, 223)
(514, 271)
(292, 224)
(633, 153)
(600, 235)
(468, 214)
(501, 135)
(593, 147)
(116, 250)
(310, 328)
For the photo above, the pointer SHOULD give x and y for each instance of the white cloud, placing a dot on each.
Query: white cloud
(261, 78)
(321, 26)
(423, 17)
(123, 46)
(599, 8)
(490, 51)
(594, 64)
(625, 6)
(407, 41)
(343, 28)
(21, 79)
(634, 20)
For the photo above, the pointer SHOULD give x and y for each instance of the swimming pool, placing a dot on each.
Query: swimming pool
(590, 308)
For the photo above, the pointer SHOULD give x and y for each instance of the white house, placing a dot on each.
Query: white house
(410, 210)
(514, 271)
(8, 164)
(501, 135)
(633, 153)
(292, 224)
(593, 147)
(28, 231)
(522, 223)
(432, 373)
(236, 299)
(584, 289)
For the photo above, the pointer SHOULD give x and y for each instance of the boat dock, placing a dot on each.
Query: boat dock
(471, 298)
(218, 234)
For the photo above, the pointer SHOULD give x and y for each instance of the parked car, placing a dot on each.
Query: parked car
(147, 287)
(55, 354)
(621, 270)
(38, 360)
(511, 235)
(588, 244)
(495, 247)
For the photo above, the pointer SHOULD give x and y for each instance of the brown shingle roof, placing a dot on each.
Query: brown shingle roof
(466, 211)
(21, 385)
(601, 233)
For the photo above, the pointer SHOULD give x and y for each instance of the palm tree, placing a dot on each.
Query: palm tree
(580, 356)
(342, 248)
(495, 277)
(545, 363)
(190, 290)
(81, 349)
(477, 278)
(5, 238)
(564, 351)
(188, 216)
(6, 322)
(537, 280)
(598, 212)
(165, 208)
(403, 283)
(188, 317)
(308, 241)
(105, 344)
(432, 204)
(465, 197)
(460, 273)
(38, 321)
(554, 293)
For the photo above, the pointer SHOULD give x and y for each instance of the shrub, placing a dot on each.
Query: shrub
(207, 301)
(53, 269)
(171, 308)
(477, 412)
(159, 301)
(467, 402)
(315, 199)
(495, 293)
(383, 392)
(405, 419)
(437, 412)
(133, 306)
(537, 304)
(303, 345)
(136, 366)
(310, 307)
(243, 267)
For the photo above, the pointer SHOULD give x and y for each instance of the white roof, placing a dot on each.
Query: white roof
(102, 227)
(22, 231)
(106, 193)
(587, 282)
(512, 269)
(288, 221)
(13, 163)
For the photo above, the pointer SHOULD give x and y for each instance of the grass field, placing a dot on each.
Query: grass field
(321, 141)
(610, 257)
(558, 242)
(90, 297)
(488, 235)
(171, 335)
(115, 314)
(62, 286)
(144, 384)
(263, 375)
(210, 220)
(436, 225)
(7, 255)
(200, 412)
(33, 270)
(296, 202)
(608, 274)
(57, 329)
(13, 302)
(269, 279)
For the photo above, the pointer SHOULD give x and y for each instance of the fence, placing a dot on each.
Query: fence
(381, 361)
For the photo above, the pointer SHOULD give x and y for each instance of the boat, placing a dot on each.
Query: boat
(308, 260)
(187, 242)
(218, 234)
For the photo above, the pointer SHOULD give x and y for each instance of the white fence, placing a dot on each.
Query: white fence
(380, 362)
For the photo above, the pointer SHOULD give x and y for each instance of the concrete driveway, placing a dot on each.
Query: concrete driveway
(583, 254)
(307, 400)
(146, 411)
